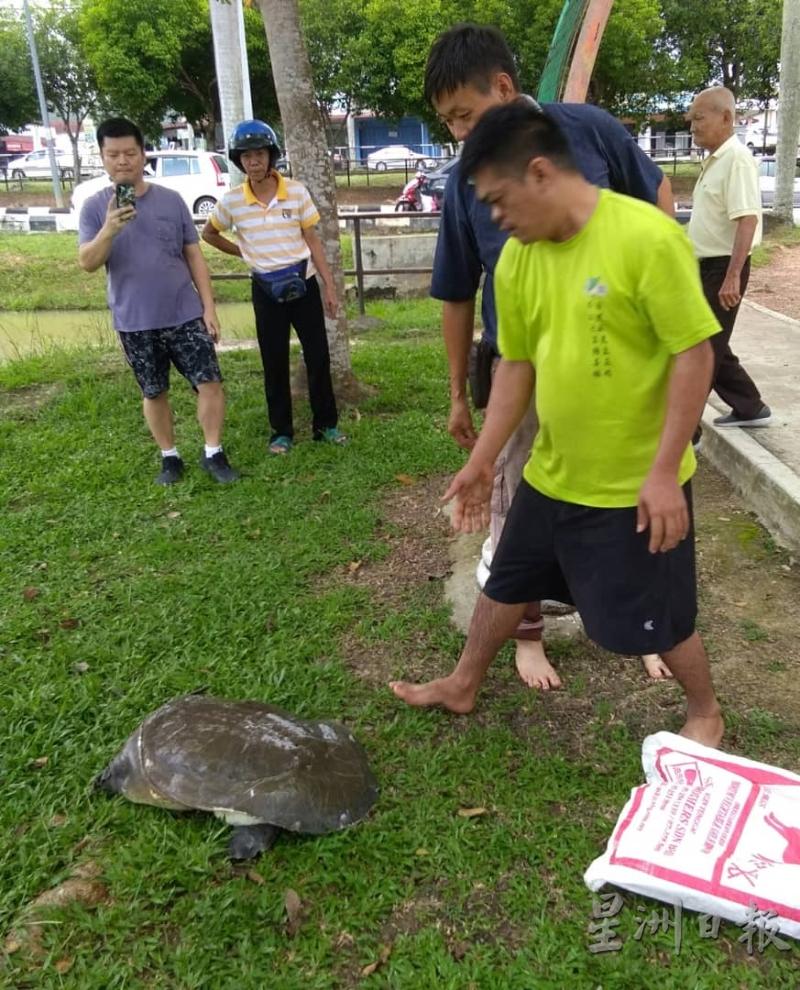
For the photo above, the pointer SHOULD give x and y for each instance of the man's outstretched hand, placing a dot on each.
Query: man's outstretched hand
(472, 490)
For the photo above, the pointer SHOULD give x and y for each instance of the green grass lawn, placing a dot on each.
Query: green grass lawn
(136, 594)
(777, 237)
(41, 271)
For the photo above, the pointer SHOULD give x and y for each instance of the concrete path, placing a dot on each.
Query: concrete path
(764, 464)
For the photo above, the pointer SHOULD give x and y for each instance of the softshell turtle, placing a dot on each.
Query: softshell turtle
(254, 765)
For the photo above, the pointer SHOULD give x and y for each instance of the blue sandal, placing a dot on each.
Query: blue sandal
(331, 435)
(280, 445)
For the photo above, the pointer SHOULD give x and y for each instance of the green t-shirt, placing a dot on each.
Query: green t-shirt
(600, 317)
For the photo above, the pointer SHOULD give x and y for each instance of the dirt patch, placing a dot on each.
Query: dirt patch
(416, 533)
(364, 195)
(749, 619)
(777, 285)
(432, 906)
(12, 198)
(24, 403)
(682, 188)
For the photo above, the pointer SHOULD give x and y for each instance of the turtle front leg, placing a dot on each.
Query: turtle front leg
(249, 841)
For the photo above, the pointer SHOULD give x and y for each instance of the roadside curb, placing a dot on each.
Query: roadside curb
(768, 485)
(37, 219)
(772, 312)
(359, 208)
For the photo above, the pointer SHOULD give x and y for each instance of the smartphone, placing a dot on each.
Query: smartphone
(126, 195)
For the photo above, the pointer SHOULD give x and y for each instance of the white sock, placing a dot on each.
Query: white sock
(172, 452)
(210, 451)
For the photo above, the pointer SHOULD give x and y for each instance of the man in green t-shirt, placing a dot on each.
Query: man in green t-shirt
(599, 298)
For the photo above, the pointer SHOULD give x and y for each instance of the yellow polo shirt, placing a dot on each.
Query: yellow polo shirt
(600, 317)
(726, 190)
(270, 236)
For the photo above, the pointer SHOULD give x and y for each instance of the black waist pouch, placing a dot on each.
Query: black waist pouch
(284, 285)
(481, 358)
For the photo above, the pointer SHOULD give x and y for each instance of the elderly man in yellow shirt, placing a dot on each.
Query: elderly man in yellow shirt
(724, 228)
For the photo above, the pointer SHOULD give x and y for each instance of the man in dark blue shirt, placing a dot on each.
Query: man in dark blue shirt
(470, 69)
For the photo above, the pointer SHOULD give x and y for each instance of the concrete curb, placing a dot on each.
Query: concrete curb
(37, 219)
(773, 313)
(770, 487)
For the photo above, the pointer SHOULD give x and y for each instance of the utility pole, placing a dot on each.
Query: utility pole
(233, 77)
(51, 154)
(247, 97)
(788, 112)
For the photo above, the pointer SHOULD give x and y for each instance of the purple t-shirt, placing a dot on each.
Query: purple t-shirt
(149, 282)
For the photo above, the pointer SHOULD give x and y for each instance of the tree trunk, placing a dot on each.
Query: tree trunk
(76, 157)
(788, 112)
(228, 62)
(308, 152)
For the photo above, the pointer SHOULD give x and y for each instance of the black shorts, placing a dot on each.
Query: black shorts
(630, 600)
(188, 346)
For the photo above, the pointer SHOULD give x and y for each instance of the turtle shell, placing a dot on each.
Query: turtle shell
(251, 762)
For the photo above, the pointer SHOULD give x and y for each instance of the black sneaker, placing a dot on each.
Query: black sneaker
(763, 418)
(218, 467)
(171, 471)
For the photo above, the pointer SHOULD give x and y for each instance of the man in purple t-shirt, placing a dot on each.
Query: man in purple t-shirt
(159, 293)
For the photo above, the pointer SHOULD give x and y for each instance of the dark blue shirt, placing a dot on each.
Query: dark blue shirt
(470, 243)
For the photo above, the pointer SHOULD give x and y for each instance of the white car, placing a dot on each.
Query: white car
(757, 139)
(398, 156)
(36, 164)
(766, 182)
(199, 177)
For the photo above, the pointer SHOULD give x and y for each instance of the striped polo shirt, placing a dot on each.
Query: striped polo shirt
(270, 237)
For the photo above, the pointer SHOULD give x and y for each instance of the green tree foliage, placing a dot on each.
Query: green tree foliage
(654, 52)
(262, 87)
(373, 52)
(333, 29)
(732, 42)
(18, 104)
(153, 57)
(68, 80)
(632, 75)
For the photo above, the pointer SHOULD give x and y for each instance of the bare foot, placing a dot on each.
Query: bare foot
(533, 666)
(655, 667)
(705, 729)
(446, 691)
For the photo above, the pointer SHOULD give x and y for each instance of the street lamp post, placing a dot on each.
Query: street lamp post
(43, 109)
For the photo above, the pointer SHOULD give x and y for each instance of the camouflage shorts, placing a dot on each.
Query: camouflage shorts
(188, 346)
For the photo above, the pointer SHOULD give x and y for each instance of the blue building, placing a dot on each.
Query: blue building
(366, 133)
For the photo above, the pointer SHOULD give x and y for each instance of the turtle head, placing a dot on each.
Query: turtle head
(120, 776)
(115, 776)
(125, 775)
